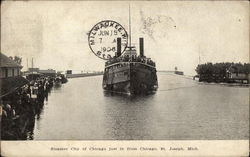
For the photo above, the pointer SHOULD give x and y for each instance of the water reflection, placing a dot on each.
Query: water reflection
(127, 117)
(126, 96)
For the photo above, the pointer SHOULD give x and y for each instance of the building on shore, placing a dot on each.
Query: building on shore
(10, 75)
(235, 75)
(8, 67)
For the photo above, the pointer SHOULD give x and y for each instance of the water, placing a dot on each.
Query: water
(181, 109)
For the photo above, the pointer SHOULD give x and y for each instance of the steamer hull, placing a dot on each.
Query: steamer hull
(130, 78)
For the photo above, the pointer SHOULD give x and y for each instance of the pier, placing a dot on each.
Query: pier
(22, 97)
(20, 107)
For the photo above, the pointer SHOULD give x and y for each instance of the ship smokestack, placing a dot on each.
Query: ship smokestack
(118, 54)
(141, 47)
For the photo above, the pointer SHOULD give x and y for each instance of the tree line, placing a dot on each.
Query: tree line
(221, 72)
(222, 68)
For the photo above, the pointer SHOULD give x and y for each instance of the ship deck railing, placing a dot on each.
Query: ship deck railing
(145, 61)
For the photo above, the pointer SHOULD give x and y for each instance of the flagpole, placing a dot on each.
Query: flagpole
(129, 43)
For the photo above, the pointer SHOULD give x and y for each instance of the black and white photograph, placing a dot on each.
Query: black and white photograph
(132, 71)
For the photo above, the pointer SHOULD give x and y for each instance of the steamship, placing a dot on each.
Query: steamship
(130, 73)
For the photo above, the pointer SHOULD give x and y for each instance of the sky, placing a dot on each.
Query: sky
(54, 33)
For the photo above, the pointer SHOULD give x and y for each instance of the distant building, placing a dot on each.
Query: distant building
(33, 70)
(48, 72)
(10, 75)
(178, 72)
(37, 71)
(69, 72)
(59, 72)
(234, 75)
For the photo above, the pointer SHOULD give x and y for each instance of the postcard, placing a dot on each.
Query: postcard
(124, 78)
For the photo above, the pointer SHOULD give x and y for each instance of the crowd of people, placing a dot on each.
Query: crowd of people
(20, 107)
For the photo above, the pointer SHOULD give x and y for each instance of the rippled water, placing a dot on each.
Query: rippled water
(180, 109)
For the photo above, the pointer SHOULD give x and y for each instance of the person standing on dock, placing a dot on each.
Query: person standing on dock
(46, 89)
(29, 90)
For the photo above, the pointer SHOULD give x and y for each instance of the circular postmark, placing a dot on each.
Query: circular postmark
(103, 37)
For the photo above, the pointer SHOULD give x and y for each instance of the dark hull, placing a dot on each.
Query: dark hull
(130, 78)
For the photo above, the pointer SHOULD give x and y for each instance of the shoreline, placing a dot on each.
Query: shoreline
(69, 76)
(224, 84)
(211, 83)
